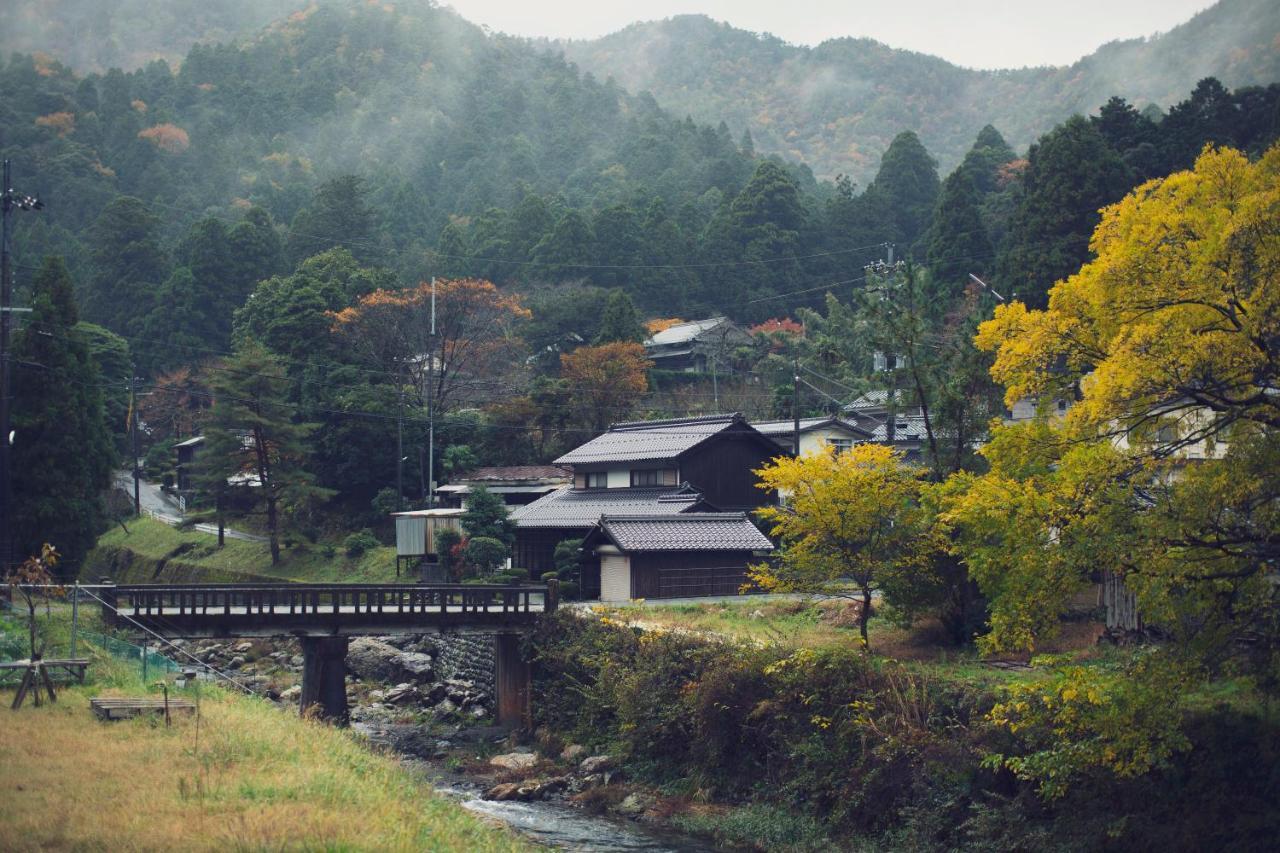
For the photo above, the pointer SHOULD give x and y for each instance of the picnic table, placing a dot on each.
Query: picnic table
(124, 707)
(36, 674)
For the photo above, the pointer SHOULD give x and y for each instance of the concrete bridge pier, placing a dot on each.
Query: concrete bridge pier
(324, 678)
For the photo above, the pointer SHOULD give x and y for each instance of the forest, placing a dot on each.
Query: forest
(289, 198)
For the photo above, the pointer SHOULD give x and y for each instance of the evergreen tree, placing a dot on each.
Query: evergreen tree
(127, 263)
(62, 454)
(338, 215)
(486, 516)
(619, 322)
(566, 250)
(1072, 172)
(958, 243)
(907, 184)
(984, 159)
(251, 437)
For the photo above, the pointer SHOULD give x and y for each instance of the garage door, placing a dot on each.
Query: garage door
(615, 577)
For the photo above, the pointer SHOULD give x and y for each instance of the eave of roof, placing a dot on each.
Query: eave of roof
(695, 531)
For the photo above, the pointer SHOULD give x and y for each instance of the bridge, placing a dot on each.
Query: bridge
(324, 616)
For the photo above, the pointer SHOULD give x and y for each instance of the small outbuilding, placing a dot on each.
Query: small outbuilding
(674, 556)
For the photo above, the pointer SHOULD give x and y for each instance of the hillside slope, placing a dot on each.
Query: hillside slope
(836, 106)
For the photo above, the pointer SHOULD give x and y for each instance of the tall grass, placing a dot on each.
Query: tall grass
(252, 777)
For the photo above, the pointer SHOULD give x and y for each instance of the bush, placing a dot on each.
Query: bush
(328, 551)
(486, 553)
(385, 502)
(447, 542)
(547, 577)
(569, 590)
(567, 556)
(517, 574)
(358, 543)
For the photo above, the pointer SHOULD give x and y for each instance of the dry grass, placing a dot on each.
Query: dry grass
(258, 779)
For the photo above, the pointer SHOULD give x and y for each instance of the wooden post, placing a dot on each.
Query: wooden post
(108, 596)
(512, 683)
(324, 678)
(552, 601)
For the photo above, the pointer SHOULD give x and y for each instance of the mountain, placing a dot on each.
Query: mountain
(837, 106)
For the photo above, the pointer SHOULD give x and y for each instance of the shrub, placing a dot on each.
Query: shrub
(328, 551)
(358, 543)
(447, 542)
(518, 574)
(486, 553)
(550, 576)
(567, 556)
(569, 590)
(385, 502)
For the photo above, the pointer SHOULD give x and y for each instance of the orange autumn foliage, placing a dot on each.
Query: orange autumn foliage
(62, 123)
(605, 381)
(167, 137)
(661, 324)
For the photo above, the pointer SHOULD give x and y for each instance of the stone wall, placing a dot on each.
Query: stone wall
(468, 657)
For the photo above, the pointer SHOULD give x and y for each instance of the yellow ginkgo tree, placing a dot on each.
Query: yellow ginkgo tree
(850, 524)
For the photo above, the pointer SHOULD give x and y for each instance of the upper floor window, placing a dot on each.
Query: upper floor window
(646, 477)
(597, 479)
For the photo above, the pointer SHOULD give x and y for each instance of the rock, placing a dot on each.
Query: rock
(478, 711)
(757, 614)
(297, 660)
(244, 647)
(503, 792)
(634, 805)
(236, 662)
(436, 694)
(596, 764)
(292, 694)
(445, 707)
(375, 695)
(416, 665)
(373, 659)
(514, 761)
(401, 694)
(573, 752)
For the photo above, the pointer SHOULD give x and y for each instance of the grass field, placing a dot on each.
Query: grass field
(194, 556)
(252, 777)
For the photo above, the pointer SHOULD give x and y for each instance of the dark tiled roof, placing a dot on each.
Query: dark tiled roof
(518, 472)
(637, 441)
(914, 430)
(695, 531)
(583, 507)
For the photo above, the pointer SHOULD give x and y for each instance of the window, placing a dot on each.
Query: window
(597, 479)
(842, 445)
(647, 477)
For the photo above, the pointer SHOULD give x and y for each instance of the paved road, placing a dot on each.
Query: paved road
(159, 506)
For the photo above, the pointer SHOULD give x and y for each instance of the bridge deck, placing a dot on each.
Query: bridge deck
(325, 609)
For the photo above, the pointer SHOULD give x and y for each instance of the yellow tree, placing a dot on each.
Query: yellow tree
(851, 523)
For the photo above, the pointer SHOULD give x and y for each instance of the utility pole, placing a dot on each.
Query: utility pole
(431, 411)
(400, 445)
(9, 202)
(795, 404)
(133, 441)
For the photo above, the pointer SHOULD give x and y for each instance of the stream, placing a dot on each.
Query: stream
(554, 823)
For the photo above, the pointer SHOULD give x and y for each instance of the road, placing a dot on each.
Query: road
(159, 506)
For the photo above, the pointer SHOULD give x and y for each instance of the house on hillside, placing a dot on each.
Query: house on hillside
(516, 484)
(698, 346)
(674, 556)
(815, 433)
(645, 468)
(907, 432)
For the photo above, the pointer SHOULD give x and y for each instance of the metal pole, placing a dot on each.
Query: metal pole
(795, 404)
(144, 658)
(431, 410)
(75, 616)
(133, 442)
(400, 446)
(6, 504)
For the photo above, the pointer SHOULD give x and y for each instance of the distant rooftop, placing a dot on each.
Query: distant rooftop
(584, 507)
(785, 428)
(682, 333)
(637, 441)
(517, 472)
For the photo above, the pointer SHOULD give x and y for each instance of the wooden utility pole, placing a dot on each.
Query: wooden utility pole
(133, 441)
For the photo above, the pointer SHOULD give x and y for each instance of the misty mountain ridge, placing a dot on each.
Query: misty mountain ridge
(837, 105)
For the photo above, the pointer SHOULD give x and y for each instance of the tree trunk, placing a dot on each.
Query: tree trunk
(864, 617)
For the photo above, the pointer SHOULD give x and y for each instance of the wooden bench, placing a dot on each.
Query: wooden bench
(74, 666)
(125, 707)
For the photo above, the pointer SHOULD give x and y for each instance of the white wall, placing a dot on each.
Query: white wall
(615, 577)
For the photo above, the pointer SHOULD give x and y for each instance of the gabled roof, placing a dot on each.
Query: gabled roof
(785, 428)
(516, 473)
(583, 507)
(694, 531)
(914, 430)
(682, 333)
(650, 441)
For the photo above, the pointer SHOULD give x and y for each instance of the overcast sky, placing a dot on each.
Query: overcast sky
(974, 33)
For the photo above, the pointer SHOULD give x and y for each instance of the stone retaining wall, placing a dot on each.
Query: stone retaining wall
(468, 657)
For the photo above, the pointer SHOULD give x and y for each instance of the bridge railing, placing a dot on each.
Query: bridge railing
(294, 599)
